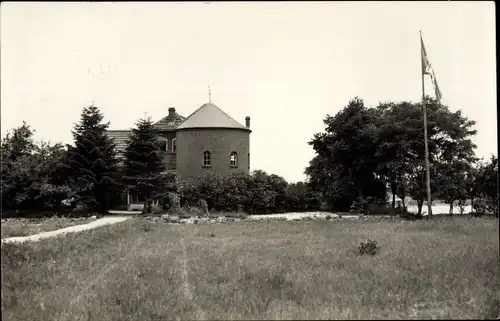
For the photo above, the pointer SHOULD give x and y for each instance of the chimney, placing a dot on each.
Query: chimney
(247, 121)
(171, 111)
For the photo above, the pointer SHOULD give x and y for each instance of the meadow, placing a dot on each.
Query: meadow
(440, 268)
(12, 227)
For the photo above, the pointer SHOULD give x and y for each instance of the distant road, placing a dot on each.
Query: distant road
(439, 209)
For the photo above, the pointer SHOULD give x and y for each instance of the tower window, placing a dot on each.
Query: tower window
(207, 159)
(174, 146)
(234, 159)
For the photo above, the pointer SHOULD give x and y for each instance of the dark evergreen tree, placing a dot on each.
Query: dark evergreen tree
(144, 170)
(92, 162)
(15, 149)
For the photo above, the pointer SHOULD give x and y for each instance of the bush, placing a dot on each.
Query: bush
(258, 193)
(301, 198)
(485, 206)
(157, 210)
(189, 210)
(170, 200)
(370, 247)
(236, 215)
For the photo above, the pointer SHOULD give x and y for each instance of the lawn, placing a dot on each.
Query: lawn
(140, 270)
(23, 226)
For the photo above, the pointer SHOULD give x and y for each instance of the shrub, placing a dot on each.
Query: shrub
(203, 206)
(170, 200)
(258, 193)
(485, 206)
(181, 212)
(301, 197)
(370, 247)
(236, 215)
(157, 210)
(357, 206)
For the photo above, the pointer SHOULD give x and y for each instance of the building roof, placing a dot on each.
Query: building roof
(210, 116)
(169, 122)
(121, 138)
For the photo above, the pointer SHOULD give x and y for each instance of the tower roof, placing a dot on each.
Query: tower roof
(210, 116)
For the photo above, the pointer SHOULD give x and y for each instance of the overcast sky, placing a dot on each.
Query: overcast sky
(286, 65)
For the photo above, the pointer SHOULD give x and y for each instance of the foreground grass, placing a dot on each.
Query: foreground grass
(23, 227)
(443, 268)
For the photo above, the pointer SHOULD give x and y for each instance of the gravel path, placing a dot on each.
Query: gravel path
(76, 228)
(120, 216)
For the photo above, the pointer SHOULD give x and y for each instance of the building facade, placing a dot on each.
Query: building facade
(208, 140)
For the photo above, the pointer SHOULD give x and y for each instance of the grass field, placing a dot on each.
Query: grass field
(22, 227)
(138, 270)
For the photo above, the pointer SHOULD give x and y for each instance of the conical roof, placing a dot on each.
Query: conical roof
(210, 116)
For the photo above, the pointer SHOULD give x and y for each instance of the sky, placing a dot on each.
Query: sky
(285, 64)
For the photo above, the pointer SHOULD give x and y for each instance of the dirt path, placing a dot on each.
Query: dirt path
(188, 293)
(76, 228)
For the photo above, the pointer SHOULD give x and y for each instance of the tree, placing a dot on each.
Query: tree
(143, 165)
(451, 182)
(487, 180)
(262, 193)
(15, 149)
(364, 150)
(345, 166)
(397, 144)
(301, 197)
(400, 151)
(92, 161)
(471, 182)
(28, 178)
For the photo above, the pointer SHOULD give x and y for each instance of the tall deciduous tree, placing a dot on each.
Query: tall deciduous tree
(451, 182)
(400, 150)
(364, 150)
(143, 165)
(345, 166)
(92, 161)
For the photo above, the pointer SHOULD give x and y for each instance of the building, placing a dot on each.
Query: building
(208, 140)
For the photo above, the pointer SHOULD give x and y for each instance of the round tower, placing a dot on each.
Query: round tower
(209, 140)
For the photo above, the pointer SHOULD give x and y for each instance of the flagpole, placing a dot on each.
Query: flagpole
(426, 144)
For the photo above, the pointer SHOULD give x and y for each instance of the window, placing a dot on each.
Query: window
(174, 146)
(162, 144)
(206, 159)
(234, 159)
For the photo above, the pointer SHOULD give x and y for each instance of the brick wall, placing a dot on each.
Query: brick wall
(191, 143)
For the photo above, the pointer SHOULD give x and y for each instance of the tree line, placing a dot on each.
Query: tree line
(362, 154)
(365, 152)
(39, 176)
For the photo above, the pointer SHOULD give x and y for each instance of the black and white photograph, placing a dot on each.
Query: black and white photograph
(224, 160)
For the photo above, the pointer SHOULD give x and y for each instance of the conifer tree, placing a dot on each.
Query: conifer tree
(92, 162)
(143, 165)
